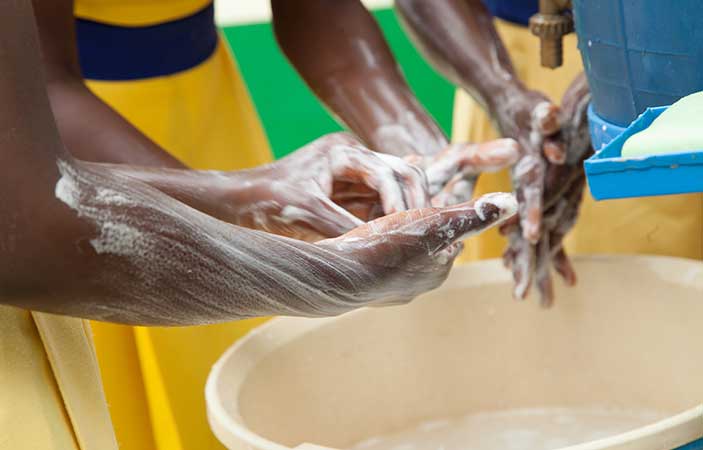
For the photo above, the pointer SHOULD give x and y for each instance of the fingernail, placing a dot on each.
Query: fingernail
(546, 117)
(498, 206)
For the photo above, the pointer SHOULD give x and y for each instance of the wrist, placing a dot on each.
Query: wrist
(506, 98)
(383, 112)
(407, 129)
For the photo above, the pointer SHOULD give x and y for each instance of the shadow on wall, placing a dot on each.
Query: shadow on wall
(290, 113)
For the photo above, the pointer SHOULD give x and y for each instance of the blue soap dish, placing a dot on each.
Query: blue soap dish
(611, 176)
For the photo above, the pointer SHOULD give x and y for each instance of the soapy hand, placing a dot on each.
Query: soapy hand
(411, 252)
(315, 192)
(531, 119)
(562, 192)
(452, 173)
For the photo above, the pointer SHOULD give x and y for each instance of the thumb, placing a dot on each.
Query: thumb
(428, 231)
(546, 118)
(456, 223)
(330, 219)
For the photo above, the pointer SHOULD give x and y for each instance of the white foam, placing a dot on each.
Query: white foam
(515, 429)
(507, 203)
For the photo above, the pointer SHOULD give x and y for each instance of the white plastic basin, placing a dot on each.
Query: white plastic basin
(630, 337)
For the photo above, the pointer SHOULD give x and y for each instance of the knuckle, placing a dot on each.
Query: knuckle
(417, 173)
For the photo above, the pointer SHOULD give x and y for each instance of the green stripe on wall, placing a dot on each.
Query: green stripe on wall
(290, 113)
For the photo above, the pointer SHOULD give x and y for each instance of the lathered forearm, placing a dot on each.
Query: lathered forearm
(339, 50)
(151, 260)
(459, 37)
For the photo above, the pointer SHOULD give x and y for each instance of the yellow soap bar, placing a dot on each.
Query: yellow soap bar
(678, 129)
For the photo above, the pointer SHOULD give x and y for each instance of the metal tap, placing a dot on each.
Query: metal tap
(551, 24)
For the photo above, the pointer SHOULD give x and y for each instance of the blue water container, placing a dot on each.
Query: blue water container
(639, 53)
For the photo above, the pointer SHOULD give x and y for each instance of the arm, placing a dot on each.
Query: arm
(80, 239)
(339, 50)
(303, 195)
(459, 37)
(91, 129)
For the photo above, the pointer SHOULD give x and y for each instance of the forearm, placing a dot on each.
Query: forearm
(226, 196)
(339, 50)
(110, 248)
(154, 261)
(460, 39)
(83, 241)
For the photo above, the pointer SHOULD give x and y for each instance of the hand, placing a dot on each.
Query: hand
(411, 252)
(452, 173)
(304, 194)
(531, 119)
(563, 189)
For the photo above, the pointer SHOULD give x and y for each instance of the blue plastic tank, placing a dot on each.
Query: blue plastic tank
(639, 53)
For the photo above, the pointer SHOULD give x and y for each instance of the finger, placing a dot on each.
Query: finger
(489, 156)
(470, 160)
(508, 257)
(427, 232)
(364, 166)
(542, 273)
(414, 182)
(324, 216)
(461, 221)
(522, 267)
(415, 160)
(454, 224)
(344, 190)
(563, 266)
(554, 150)
(569, 213)
(509, 226)
(528, 175)
(443, 167)
(545, 118)
(457, 190)
(389, 190)
(363, 209)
